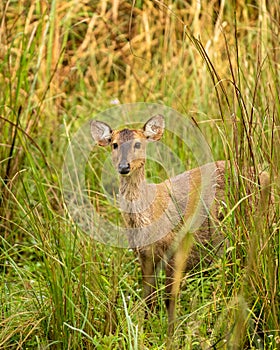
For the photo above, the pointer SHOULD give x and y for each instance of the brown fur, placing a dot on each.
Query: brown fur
(147, 209)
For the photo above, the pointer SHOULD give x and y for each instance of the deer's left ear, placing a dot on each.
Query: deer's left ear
(101, 133)
(154, 128)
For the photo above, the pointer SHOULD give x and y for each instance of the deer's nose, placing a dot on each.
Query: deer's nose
(124, 168)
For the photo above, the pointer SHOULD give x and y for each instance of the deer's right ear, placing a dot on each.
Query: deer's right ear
(154, 128)
(101, 133)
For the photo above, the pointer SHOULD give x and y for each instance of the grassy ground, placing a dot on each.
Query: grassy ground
(62, 62)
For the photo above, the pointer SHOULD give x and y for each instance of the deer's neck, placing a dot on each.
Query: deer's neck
(136, 198)
(134, 186)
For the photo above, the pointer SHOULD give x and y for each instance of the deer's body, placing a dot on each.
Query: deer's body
(159, 216)
(152, 207)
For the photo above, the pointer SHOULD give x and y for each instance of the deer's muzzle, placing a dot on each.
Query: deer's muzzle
(124, 168)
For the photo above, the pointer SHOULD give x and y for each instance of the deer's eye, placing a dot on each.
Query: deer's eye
(115, 145)
(137, 145)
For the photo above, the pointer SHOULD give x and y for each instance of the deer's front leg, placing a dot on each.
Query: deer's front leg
(148, 267)
(175, 269)
(171, 289)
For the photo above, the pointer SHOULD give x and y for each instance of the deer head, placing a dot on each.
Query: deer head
(128, 145)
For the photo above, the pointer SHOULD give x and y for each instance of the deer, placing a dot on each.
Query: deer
(175, 222)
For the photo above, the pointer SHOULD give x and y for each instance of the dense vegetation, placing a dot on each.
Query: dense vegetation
(61, 63)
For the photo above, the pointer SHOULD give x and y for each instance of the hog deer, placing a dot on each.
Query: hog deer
(159, 217)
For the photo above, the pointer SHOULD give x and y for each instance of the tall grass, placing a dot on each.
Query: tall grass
(61, 62)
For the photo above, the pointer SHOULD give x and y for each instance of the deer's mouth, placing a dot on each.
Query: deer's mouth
(124, 169)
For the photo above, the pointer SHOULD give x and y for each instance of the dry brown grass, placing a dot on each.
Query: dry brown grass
(131, 52)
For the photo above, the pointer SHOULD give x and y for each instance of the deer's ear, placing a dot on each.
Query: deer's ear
(101, 133)
(154, 128)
